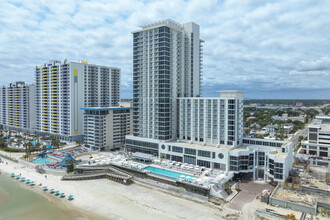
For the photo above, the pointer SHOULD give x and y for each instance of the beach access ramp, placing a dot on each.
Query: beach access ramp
(99, 172)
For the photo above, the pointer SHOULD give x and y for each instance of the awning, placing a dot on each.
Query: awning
(142, 156)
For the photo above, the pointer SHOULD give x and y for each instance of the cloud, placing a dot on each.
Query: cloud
(318, 65)
(256, 46)
(309, 73)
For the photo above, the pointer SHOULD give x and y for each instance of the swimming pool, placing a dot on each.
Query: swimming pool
(169, 173)
(42, 160)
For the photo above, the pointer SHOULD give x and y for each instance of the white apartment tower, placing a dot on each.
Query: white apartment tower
(216, 121)
(106, 127)
(63, 88)
(17, 106)
(167, 63)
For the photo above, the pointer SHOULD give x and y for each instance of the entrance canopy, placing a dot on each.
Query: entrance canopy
(142, 156)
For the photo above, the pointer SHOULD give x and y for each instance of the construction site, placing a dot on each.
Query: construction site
(306, 190)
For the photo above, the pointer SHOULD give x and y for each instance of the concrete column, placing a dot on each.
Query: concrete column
(228, 161)
(265, 169)
(254, 164)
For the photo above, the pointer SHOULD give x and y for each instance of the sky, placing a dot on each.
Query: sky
(268, 49)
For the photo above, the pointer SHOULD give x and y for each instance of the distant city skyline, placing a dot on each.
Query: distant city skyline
(269, 50)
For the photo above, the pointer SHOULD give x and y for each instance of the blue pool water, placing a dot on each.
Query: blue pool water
(42, 160)
(168, 173)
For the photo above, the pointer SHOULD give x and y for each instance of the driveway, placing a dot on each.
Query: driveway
(249, 191)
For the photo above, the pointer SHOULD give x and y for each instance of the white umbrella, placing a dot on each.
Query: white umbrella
(188, 177)
(182, 176)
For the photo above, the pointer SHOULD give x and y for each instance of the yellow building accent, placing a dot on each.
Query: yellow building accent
(75, 132)
(85, 62)
(75, 72)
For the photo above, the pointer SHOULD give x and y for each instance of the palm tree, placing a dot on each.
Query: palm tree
(37, 146)
(79, 142)
(28, 149)
(19, 141)
(56, 142)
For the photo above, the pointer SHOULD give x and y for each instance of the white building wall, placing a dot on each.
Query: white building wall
(114, 124)
(206, 120)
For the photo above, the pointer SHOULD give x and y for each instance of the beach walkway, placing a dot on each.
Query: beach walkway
(90, 173)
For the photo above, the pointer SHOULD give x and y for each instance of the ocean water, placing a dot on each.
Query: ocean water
(17, 202)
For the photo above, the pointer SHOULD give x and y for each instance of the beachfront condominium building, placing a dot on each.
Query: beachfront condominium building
(166, 64)
(171, 120)
(63, 88)
(318, 141)
(17, 106)
(106, 127)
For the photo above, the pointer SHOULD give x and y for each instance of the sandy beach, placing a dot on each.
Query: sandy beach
(110, 200)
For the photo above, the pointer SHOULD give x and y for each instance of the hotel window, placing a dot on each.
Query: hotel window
(190, 151)
(204, 163)
(177, 149)
(203, 153)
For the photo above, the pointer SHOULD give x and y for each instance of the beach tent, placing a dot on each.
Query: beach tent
(49, 147)
(68, 160)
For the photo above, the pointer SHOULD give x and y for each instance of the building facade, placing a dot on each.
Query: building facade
(215, 121)
(172, 121)
(318, 141)
(106, 128)
(63, 88)
(166, 65)
(211, 135)
(17, 106)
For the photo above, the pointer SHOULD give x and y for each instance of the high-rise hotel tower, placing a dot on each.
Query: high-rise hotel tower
(172, 121)
(167, 63)
(63, 88)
